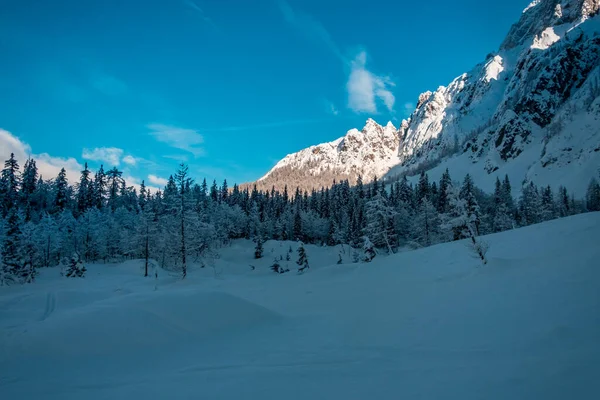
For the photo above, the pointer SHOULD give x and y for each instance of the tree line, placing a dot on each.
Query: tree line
(102, 219)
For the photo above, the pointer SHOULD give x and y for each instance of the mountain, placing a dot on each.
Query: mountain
(530, 110)
(369, 152)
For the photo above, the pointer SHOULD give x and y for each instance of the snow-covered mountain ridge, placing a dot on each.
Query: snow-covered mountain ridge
(530, 110)
(368, 152)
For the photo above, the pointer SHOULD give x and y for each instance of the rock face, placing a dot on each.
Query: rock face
(531, 110)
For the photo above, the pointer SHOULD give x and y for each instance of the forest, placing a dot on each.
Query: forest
(49, 222)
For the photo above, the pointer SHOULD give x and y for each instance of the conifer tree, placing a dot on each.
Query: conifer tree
(99, 188)
(258, 249)
(28, 187)
(12, 267)
(445, 183)
(61, 192)
(302, 258)
(183, 182)
(592, 197)
(9, 184)
(426, 224)
(369, 252)
(83, 191)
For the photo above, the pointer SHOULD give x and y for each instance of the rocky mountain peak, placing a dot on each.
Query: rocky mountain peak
(543, 14)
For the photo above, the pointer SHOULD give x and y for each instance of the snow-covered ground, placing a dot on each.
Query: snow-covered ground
(430, 324)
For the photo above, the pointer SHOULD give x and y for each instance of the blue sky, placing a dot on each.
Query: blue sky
(229, 87)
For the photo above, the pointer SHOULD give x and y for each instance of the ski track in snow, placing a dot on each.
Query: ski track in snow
(50, 306)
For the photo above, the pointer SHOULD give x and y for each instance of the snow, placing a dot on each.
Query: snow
(531, 5)
(546, 39)
(493, 69)
(431, 323)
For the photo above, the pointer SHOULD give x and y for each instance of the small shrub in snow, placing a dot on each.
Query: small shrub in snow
(302, 259)
(368, 250)
(339, 261)
(76, 268)
(258, 250)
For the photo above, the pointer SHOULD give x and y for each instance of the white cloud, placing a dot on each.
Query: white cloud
(179, 138)
(156, 180)
(48, 166)
(365, 89)
(129, 160)
(109, 155)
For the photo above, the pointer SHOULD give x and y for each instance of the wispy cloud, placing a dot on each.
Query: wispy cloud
(365, 89)
(193, 5)
(156, 180)
(409, 108)
(178, 138)
(310, 27)
(330, 108)
(108, 155)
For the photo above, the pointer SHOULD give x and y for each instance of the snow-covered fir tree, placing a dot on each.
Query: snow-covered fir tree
(75, 267)
(369, 252)
(302, 258)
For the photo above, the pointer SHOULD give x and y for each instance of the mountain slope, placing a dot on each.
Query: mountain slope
(530, 110)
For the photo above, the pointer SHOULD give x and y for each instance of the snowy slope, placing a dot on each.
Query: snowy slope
(530, 110)
(431, 323)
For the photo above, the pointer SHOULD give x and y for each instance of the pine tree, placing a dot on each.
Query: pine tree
(562, 204)
(224, 191)
(61, 191)
(380, 226)
(28, 187)
(467, 193)
(464, 220)
(143, 197)
(548, 210)
(258, 249)
(115, 182)
(11, 270)
(183, 181)
(302, 258)
(530, 204)
(9, 185)
(592, 197)
(445, 183)
(99, 188)
(83, 191)
(426, 228)
(297, 224)
(423, 188)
